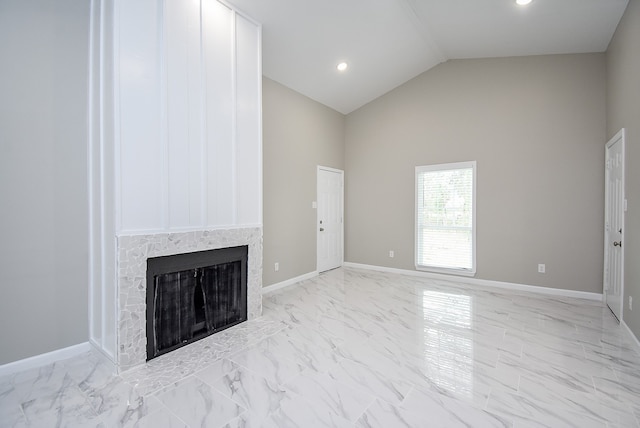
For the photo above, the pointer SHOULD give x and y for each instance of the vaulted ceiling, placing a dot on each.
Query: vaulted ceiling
(387, 42)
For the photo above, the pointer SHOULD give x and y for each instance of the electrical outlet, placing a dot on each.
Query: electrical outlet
(630, 303)
(276, 266)
(391, 254)
(542, 268)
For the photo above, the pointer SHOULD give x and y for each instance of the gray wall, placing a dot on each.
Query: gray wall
(623, 111)
(535, 126)
(298, 135)
(43, 224)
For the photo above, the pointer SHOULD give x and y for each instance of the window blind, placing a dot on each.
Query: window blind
(445, 217)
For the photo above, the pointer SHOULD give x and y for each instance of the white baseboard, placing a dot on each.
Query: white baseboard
(289, 282)
(44, 359)
(633, 337)
(482, 282)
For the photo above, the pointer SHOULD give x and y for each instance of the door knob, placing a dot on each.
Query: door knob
(322, 229)
(617, 244)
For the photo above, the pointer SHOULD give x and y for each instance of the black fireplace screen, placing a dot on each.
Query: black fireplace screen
(191, 296)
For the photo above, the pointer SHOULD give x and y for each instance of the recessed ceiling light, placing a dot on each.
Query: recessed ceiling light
(342, 66)
(523, 2)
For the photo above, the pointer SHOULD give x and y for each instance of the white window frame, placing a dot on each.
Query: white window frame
(442, 167)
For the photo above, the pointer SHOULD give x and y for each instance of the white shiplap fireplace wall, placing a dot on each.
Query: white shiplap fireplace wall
(175, 152)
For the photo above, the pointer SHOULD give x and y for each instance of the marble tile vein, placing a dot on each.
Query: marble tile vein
(198, 404)
(337, 397)
(353, 347)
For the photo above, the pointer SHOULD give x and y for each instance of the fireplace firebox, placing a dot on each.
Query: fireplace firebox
(191, 296)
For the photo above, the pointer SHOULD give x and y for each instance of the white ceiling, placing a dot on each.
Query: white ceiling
(387, 42)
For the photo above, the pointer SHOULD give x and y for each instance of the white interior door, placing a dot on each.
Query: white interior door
(329, 223)
(614, 225)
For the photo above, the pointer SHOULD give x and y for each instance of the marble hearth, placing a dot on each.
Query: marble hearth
(132, 254)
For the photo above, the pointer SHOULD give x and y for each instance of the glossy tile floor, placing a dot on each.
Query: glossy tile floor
(365, 349)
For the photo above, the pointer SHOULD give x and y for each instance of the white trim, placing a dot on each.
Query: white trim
(139, 232)
(260, 122)
(204, 136)
(444, 167)
(90, 170)
(104, 357)
(44, 359)
(341, 173)
(633, 337)
(289, 282)
(445, 271)
(102, 224)
(116, 167)
(620, 136)
(234, 116)
(328, 168)
(241, 13)
(163, 93)
(482, 282)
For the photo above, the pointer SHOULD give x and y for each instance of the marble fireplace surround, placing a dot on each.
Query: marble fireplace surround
(132, 254)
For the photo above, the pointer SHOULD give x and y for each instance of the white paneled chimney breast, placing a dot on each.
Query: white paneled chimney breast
(175, 151)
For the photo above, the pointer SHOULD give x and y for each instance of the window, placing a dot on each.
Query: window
(446, 218)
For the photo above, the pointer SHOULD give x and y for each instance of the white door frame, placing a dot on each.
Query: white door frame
(619, 137)
(318, 210)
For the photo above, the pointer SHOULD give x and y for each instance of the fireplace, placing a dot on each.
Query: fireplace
(191, 296)
(133, 253)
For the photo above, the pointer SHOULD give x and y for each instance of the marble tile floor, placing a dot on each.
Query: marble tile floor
(355, 348)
